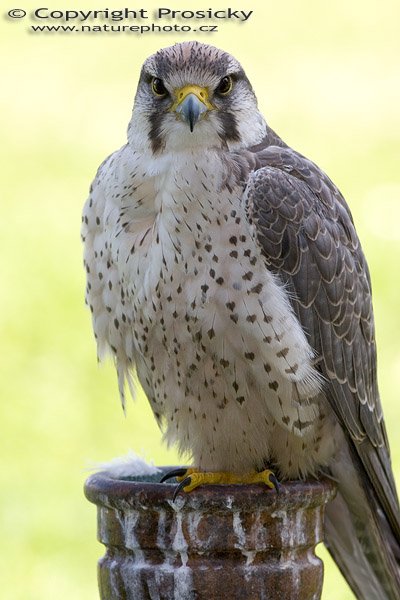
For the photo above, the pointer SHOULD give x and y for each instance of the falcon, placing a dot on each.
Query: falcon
(224, 269)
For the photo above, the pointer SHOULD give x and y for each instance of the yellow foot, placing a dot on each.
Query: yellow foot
(190, 479)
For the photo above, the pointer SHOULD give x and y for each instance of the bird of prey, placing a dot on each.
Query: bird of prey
(224, 268)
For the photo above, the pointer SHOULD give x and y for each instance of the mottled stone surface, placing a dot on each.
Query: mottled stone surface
(234, 542)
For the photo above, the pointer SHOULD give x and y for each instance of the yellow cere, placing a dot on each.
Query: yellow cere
(200, 92)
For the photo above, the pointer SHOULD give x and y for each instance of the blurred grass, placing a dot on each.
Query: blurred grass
(328, 82)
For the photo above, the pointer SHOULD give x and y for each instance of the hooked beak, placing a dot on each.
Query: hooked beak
(191, 103)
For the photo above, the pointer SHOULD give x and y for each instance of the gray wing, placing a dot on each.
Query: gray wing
(308, 239)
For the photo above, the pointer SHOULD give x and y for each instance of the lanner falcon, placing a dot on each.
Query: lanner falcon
(225, 269)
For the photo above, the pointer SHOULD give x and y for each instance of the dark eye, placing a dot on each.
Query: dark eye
(158, 87)
(224, 86)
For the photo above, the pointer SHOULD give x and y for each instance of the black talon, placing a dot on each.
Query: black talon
(276, 483)
(174, 473)
(180, 487)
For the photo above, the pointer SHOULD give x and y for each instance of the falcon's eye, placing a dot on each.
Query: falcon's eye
(225, 86)
(158, 87)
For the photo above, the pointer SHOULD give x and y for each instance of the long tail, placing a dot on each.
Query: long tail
(360, 538)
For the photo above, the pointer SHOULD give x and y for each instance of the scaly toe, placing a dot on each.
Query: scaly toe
(267, 477)
(190, 479)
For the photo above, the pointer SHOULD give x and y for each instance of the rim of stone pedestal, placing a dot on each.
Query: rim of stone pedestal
(135, 492)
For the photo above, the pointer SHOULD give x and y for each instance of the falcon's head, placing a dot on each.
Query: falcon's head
(192, 95)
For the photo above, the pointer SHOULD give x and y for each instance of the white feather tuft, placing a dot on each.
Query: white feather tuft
(130, 465)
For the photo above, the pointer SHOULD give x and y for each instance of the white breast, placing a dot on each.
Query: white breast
(218, 349)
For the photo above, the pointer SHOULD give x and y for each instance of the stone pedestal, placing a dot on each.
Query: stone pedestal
(234, 542)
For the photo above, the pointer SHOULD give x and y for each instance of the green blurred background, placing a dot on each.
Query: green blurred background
(327, 78)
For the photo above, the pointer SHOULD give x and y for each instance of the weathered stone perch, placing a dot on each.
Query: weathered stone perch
(233, 542)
